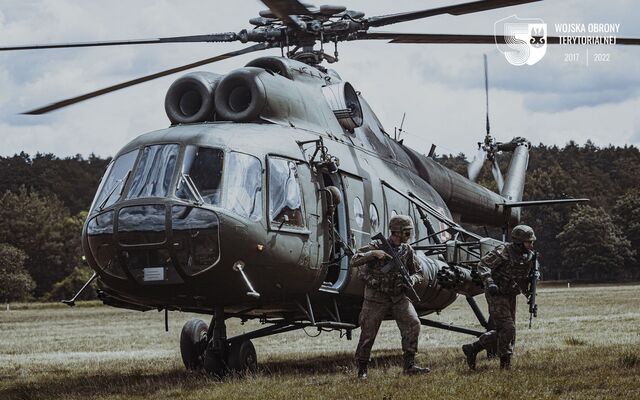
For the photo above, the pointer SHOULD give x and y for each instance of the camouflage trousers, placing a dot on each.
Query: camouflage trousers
(371, 316)
(502, 309)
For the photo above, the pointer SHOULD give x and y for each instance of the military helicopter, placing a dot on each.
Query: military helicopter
(251, 203)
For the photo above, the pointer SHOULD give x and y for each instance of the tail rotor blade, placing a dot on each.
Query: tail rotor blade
(474, 167)
(497, 175)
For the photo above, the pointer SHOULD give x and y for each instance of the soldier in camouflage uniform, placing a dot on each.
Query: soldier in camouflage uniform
(385, 294)
(504, 272)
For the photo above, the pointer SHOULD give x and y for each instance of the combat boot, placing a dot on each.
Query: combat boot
(410, 367)
(471, 352)
(505, 362)
(362, 370)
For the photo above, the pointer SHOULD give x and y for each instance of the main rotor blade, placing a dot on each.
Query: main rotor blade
(77, 99)
(215, 37)
(285, 9)
(458, 9)
(436, 38)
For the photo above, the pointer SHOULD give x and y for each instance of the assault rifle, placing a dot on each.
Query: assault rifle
(534, 275)
(396, 263)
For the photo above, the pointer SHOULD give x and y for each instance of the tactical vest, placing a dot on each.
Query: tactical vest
(514, 268)
(390, 282)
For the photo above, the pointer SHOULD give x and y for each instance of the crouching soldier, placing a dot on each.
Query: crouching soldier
(505, 273)
(385, 294)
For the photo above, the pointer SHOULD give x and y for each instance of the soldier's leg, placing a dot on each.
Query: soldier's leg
(512, 311)
(491, 345)
(487, 341)
(500, 309)
(370, 319)
(407, 320)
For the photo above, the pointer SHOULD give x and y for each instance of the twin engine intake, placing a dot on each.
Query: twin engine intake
(268, 89)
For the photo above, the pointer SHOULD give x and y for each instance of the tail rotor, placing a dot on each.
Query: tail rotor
(489, 149)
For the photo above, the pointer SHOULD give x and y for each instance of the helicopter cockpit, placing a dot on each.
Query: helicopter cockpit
(163, 201)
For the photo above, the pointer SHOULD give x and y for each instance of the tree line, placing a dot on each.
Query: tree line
(44, 201)
(596, 242)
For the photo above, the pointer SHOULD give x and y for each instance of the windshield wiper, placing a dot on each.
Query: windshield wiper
(119, 184)
(193, 190)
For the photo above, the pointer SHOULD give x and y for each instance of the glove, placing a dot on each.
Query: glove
(492, 289)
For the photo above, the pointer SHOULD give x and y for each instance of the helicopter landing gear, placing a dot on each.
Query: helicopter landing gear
(193, 341)
(217, 349)
(209, 349)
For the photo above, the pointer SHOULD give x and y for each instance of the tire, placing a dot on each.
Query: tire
(193, 341)
(242, 357)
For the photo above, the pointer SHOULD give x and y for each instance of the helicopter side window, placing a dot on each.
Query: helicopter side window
(111, 187)
(154, 171)
(285, 201)
(244, 186)
(201, 174)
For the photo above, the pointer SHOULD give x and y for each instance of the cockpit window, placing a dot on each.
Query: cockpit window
(285, 201)
(114, 181)
(201, 175)
(154, 171)
(243, 186)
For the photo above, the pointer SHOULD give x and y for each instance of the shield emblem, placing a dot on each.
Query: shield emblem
(525, 40)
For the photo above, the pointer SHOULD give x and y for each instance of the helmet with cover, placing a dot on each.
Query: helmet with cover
(522, 233)
(399, 223)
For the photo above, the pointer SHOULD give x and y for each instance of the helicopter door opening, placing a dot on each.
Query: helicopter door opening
(338, 269)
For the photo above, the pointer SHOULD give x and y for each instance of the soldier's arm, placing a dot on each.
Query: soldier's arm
(363, 255)
(487, 263)
(413, 267)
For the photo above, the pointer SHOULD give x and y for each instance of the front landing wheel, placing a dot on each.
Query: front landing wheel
(193, 342)
(242, 357)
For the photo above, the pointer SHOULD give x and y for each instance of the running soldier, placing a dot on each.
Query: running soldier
(384, 294)
(505, 273)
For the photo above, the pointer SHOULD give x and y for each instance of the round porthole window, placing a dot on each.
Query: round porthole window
(358, 212)
(374, 218)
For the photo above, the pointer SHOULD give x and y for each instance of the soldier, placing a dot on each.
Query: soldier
(385, 293)
(504, 272)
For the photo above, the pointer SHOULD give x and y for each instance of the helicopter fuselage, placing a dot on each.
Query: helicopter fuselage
(178, 208)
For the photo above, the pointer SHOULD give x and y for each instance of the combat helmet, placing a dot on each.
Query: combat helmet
(522, 233)
(398, 223)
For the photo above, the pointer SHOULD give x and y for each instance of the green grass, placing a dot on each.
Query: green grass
(585, 344)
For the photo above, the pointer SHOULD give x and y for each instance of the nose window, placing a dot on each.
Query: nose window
(195, 238)
(201, 175)
(154, 171)
(114, 181)
(244, 186)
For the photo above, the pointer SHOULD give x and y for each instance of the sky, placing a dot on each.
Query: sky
(439, 87)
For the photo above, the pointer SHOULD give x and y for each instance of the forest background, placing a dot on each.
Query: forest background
(44, 201)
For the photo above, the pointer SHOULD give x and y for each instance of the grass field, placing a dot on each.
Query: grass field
(584, 345)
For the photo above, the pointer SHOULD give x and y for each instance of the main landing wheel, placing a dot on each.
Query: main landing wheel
(193, 342)
(242, 357)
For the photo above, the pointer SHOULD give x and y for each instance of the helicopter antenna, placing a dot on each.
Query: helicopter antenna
(399, 130)
(486, 91)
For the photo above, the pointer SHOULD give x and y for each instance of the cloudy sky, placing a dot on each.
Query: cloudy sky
(440, 87)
